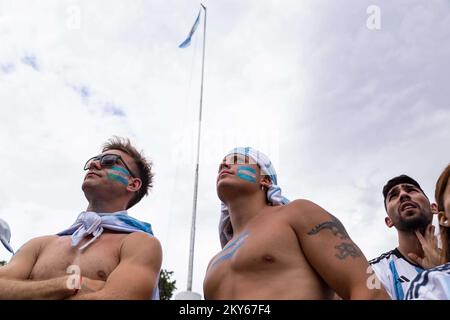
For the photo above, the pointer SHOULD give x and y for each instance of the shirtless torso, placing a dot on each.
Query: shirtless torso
(297, 251)
(114, 266)
(96, 262)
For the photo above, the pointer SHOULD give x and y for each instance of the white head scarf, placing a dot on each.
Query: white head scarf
(273, 193)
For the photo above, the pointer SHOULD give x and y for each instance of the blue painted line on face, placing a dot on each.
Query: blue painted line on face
(121, 170)
(118, 178)
(247, 168)
(246, 177)
(247, 173)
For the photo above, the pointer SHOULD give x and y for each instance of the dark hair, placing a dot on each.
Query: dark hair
(398, 180)
(441, 185)
(144, 166)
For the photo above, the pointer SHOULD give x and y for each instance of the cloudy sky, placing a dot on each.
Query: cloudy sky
(338, 104)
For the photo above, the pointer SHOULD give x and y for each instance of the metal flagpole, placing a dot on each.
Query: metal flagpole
(194, 206)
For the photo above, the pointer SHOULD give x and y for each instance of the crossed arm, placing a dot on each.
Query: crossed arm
(330, 251)
(137, 274)
(14, 277)
(134, 278)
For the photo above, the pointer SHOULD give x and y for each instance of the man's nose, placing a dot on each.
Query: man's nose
(404, 195)
(95, 164)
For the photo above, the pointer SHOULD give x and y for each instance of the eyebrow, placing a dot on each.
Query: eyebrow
(394, 189)
(397, 187)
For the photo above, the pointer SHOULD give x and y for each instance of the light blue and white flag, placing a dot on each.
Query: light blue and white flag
(5, 235)
(187, 42)
(93, 223)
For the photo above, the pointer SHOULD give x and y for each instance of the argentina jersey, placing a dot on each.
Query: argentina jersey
(432, 284)
(395, 273)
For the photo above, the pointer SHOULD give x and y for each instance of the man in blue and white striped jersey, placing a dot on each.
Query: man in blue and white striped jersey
(409, 211)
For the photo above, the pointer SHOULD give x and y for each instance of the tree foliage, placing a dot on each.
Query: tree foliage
(166, 284)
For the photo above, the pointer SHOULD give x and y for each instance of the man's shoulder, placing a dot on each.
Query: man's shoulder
(36, 244)
(304, 214)
(303, 206)
(141, 241)
(143, 249)
(305, 210)
(42, 240)
(383, 258)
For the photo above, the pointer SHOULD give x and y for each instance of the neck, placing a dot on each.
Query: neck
(105, 206)
(244, 208)
(408, 243)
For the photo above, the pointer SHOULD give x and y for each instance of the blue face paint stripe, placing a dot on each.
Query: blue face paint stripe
(246, 168)
(118, 178)
(247, 173)
(121, 170)
(246, 177)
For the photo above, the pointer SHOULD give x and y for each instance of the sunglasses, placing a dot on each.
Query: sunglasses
(108, 160)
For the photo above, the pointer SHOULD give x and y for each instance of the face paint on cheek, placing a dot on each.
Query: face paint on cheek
(118, 178)
(247, 173)
(120, 170)
(117, 173)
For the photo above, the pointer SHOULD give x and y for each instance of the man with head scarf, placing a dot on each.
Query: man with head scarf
(276, 249)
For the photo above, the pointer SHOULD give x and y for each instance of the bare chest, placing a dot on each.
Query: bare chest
(97, 261)
(256, 251)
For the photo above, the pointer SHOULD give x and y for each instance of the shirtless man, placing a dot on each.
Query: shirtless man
(273, 249)
(101, 256)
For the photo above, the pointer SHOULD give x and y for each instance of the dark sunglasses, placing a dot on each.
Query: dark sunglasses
(108, 160)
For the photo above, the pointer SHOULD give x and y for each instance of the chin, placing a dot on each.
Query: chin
(225, 190)
(87, 186)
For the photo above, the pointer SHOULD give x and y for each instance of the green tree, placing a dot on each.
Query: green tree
(2, 263)
(166, 285)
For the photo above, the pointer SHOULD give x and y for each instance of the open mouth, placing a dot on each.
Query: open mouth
(408, 205)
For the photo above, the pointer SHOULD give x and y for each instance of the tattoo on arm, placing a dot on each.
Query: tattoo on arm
(337, 228)
(334, 225)
(347, 249)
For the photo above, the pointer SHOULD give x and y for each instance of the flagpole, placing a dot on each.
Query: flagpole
(194, 206)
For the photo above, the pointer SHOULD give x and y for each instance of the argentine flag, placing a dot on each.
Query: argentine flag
(187, 42)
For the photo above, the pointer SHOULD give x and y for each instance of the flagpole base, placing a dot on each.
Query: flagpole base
(188, 295)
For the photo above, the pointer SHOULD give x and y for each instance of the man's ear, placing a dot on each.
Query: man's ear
(388, 222)
(434, 208)
(134, 184)
(265, 182)
(443, 221)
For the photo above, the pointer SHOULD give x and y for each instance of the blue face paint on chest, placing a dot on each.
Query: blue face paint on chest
(247, 173)
(119, 174)
(230, 249)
